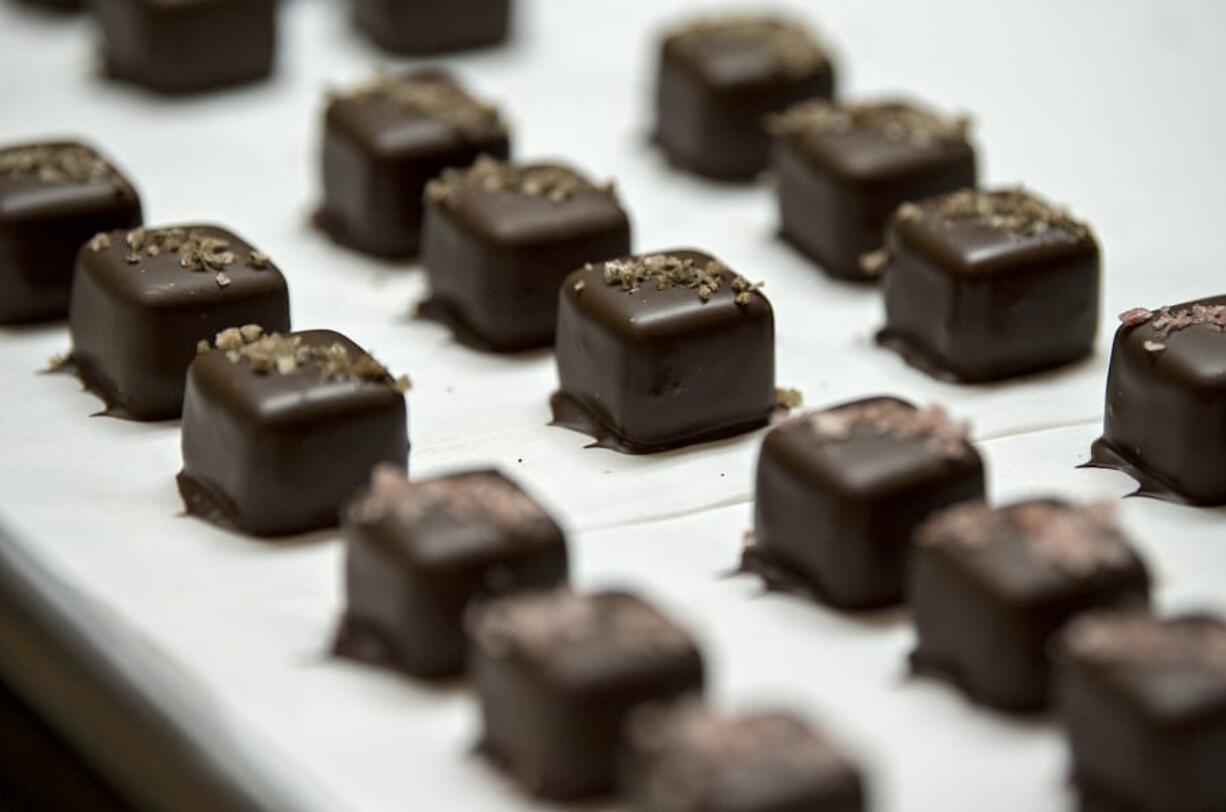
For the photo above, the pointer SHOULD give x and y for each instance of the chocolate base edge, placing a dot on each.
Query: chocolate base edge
(830, 269)
(96, 386)
(442, 312)
(365, 643)
(919, 358)
(923, 666)
(334, 230)
(569, 413)
(679, 163)
(779, 576)
(1106, 456)
(200, 501)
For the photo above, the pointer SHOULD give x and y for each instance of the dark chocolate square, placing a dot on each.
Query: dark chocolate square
(981, 286)
(663, 350)
(53, 198)
(384, 141)
(841, 491)
(990, 588)
(419, 553)
(559, 673)
(173, 46)
(689, 758)
(280, 430)
(500, 238)
(1144, 701)
(433, 26)
(719, 80)
(1165, 422)
(144, 299)
(842, 170)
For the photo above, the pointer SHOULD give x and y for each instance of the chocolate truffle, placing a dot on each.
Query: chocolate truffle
(841, 491)
(688, 758)
(433, 26)
(384, 141)
(842, 170)
(983, 285)
(990, 587)
(144, 299)
(718, 81)
(558, 674)
(1144, 701)
(1165, 422)
(499, 239)
(419, 553)
(663, 350)
(279, 430)
(53, 197)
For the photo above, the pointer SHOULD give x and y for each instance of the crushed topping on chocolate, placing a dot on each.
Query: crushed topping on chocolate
(1014, 211)
(197, 249)
(557, 184)
(932, 424)
(288, 355)
(1138, 639)
(693, 747)
(874, 263)
(537, 624)
(786, 398)
(1076, 540)
(479, 497)
(61, 163)
(668, 271)
(100, 242)
(436, 97)
(1166, 321)
(896, 122)
(793, 47)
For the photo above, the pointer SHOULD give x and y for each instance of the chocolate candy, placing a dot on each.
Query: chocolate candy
(559, 673)
(144, 299)
(990, 588)
(384, 141)
(498, 240)
(1144, 701)
(170, 46)
(53, 197)
(280, 429)
(433, 26)
(842, 170)
(419, 553)
(689, 758)
(981, 285)
(663, 350)
(841, 491)
(718, 81)
(1165, 422)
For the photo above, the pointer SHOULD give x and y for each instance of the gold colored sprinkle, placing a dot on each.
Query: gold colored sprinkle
(557, 184)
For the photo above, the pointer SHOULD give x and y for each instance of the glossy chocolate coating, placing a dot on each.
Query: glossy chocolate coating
(658, 368)
(835, 517)
(135, 326)
(837, 190)
(1165, 421)
(986, 611)
(43, 221)
(558, 680)
(433, 26)
(171, 46)
(417, 559)
(272, 454)
(969, 302)
(496, 258)
(1147, 725)
(713, 95)
(378, 157)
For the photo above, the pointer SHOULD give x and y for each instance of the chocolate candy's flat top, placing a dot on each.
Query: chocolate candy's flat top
(667, 292)
(869, 140)
(425, 519)
(414, 112)
(584, 642)
(1033, 549)
(1175, 668)
(977, 231)
(526, 203)
(875, 443)
(731, 51)
(36, 178)
(177, 265)
(293, 377)
(1186, 342)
